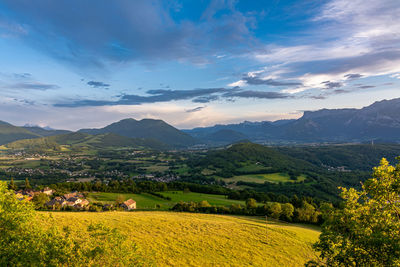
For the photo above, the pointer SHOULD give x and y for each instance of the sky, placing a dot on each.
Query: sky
(72, 64)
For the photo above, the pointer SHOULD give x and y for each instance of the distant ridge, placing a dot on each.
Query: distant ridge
(146, 128)
(379, 121)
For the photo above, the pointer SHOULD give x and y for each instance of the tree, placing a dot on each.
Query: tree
(287, 211)
(24, 241)
(366, 230)
(251, 203)
(40, 199)
(119, 200)
(274, 209)
(27, 184)
(12, 185)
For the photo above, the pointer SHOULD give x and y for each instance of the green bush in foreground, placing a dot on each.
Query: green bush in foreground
(25, 242)
(366, 231)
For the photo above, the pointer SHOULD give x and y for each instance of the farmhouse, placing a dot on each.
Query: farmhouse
(48, 191)
(130, 204)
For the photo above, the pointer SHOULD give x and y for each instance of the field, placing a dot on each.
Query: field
(185, 239)
(262, 178)
(147, 201)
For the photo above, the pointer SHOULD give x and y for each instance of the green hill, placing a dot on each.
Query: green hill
(146, 128)
(249, 158)
(45, 132)
(10, 133)
(186, 239)
(84, 140)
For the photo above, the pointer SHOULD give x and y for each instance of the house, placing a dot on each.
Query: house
(73, 194)
(48, 191)
(83, 203)
(56, 202)
(72, 201)
(130, 204)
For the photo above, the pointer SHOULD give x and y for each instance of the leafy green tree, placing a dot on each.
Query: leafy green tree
(120, 199)
(366, 231)
(29, 239)
(204, 204)
(274, 209)
(12, 185)
(307, 213)
(287, 211)
(251, 203)
(27, 184)
(40, 199)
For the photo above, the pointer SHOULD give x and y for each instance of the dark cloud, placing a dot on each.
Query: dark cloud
(366, 86)
(254, 80)
(258, 94)
(32, 86)
(98, 84)
(351, 76)
(199, 95)
(340, 91)
(154, 96)
(194, 109)
(318, 97)
(331, 85)
(89, 35)
(205, 99)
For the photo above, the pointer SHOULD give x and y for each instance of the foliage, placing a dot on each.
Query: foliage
(25, 240)
(40, 199)
(366, 230)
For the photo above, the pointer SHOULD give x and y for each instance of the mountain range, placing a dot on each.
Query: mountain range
(379, 122)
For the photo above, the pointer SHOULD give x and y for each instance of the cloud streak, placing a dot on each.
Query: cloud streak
(198, 95)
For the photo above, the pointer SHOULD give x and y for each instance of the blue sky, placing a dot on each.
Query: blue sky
(75, 64)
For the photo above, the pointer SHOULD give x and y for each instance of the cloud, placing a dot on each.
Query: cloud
(198, 95)
(153, 96)
(31, 86)
(366, 86)
(353, 76)
(330, 85)
(128, 31)
(205, 99)
(253, 80)
(349, 40)
(258, 94)
(96, 84)
(194, 109)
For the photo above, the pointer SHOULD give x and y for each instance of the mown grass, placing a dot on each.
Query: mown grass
(262, 178)
(186, 239)
(147, 201)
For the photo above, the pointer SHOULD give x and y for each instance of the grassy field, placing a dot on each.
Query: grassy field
(147, 201)
(262, 178)
(185, 239)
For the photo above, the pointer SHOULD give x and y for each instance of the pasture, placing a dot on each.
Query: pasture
(186, 239)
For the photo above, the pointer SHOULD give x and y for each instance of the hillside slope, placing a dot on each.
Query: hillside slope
(185, 239)
(84, 140)
(146, 128)
(10, 133)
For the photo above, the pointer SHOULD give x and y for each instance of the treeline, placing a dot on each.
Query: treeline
(303, 212)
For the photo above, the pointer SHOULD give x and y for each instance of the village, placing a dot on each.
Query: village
(48, 199)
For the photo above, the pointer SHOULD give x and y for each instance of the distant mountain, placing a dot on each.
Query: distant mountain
(146, 128)
(379, 121)
(10, 133)
(84, 140)
(44, 131)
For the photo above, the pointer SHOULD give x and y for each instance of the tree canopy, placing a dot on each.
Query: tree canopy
(366, 230)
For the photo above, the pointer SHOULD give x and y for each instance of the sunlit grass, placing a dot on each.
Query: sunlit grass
(185, 239)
